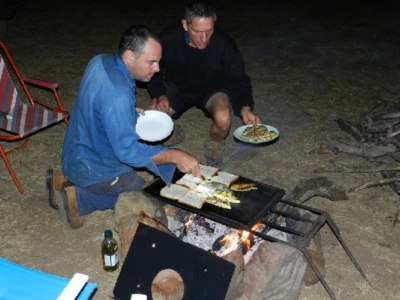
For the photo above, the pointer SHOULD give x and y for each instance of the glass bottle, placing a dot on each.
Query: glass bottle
(109, 252)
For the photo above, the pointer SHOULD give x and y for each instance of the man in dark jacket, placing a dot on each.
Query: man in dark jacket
(201, 66)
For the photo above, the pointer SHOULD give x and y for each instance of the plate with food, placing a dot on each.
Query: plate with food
(259, 134)
(154, 126)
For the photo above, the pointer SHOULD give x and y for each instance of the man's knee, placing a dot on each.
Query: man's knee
(222, 118)
(152, 104)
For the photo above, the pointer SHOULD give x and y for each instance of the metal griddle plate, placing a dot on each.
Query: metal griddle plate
(253, 204)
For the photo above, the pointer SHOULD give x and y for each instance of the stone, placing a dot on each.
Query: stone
(274, 272)
(235, 290)
(136, 202)
(317, 256)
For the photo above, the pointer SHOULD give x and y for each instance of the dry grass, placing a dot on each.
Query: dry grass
(310, 63)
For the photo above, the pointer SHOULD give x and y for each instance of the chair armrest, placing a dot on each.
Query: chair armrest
(42, 83)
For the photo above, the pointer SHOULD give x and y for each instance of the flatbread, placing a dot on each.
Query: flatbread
(205, 188)
(189, 181)
(193, 199)
(174, 191)
(207, 171)
(224, 178)
(189, 184)
(191, 178)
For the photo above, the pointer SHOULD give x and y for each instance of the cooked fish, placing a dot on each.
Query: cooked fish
(219, 203)
(226, 196)
(259, 133)
(243, 187)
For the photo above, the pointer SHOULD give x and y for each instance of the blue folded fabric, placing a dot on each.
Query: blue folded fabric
(18, 282)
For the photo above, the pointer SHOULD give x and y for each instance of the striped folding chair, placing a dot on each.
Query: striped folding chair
(19, 120)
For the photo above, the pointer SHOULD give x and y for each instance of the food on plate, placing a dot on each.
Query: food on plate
(207, 171)
(174, 191)
(259, 133)
(243, 187)
(224, 178)
(193, 199)
(189, 181)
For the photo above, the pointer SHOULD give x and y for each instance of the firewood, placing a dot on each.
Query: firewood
(358, 169)
(396, 218)
(346, 127)
(317, 186)
(395, 185)
(333, 194)
(386, 116)
(304, 186)
(364, 151)
(373, 184)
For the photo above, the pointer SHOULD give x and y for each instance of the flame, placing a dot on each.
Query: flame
(188, 221)
(256, 226)
(233, 240)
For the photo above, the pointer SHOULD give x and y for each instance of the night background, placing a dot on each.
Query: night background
(310, 62)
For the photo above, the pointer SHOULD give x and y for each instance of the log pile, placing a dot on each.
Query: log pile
(374, 137)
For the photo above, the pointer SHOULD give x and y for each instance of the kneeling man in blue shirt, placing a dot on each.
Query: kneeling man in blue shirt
(101, 146)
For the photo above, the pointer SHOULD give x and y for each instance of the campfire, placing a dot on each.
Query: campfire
(255, 254)
(215, 237)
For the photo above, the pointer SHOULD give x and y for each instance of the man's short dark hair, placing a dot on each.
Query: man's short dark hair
(200, 9)
(134, 39)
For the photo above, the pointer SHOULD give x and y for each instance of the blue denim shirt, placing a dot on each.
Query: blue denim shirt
(101, 142)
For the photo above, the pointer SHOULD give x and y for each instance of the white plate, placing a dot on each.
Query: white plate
(238, 132)
(154, 126)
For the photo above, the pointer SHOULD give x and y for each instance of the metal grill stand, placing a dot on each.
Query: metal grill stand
(310, 220)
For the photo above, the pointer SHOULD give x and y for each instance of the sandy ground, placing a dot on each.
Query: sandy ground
(310, 63)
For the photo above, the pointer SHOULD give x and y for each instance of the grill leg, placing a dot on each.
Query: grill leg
(321, 278)
(333, 227)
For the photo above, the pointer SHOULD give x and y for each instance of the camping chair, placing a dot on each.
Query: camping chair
(19, 282)
(19, 120)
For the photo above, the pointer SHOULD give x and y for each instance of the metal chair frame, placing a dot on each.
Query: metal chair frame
(46, 107)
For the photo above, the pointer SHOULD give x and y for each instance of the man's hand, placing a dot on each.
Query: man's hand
(183, 161)
(162, 104)
(140, 110)
(249, 117)
(188, 164)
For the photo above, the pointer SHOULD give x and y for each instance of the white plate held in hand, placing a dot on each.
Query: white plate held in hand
(154, 126)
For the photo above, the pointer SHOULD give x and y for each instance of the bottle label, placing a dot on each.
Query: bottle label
(110, 260)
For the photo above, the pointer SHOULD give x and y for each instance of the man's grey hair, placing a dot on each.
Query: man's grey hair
(200, 9)
(134, 39)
